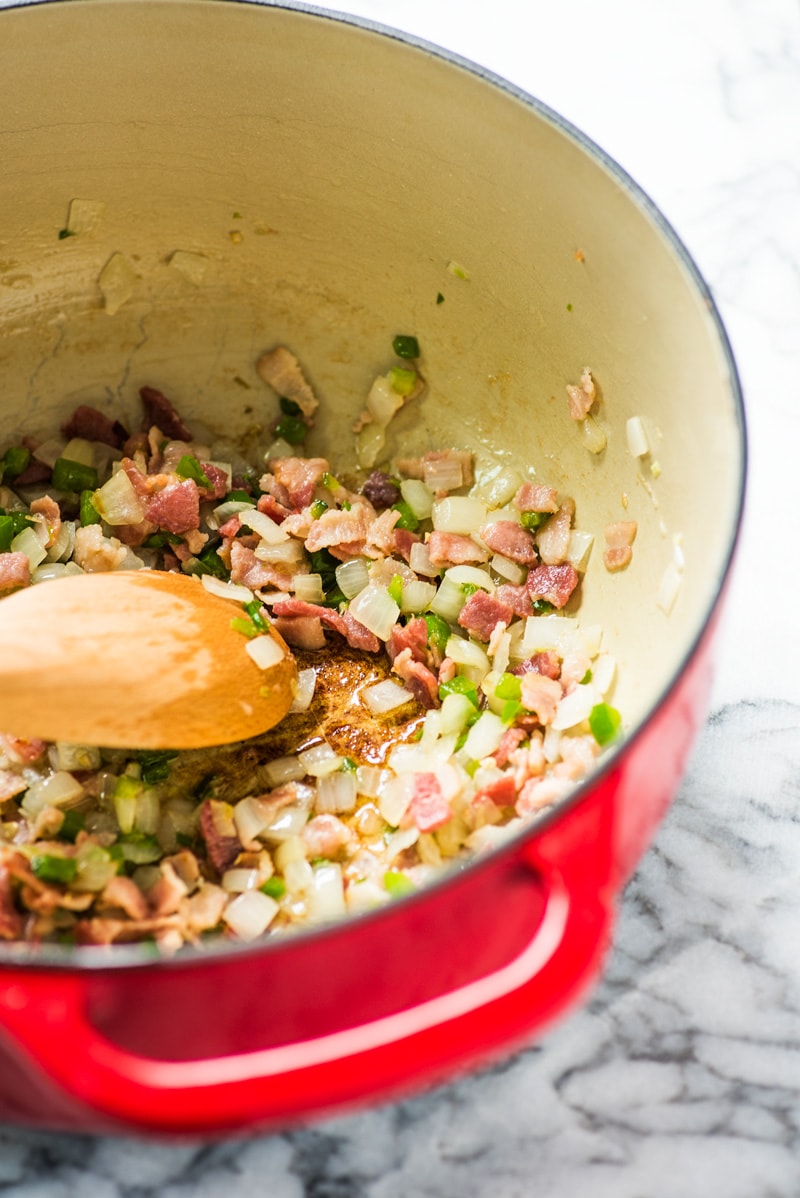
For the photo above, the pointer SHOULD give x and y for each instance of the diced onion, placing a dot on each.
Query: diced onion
(278, 449)
(251, 816)
(395, 797)
(249, 915)
(64, 543)
(54, 570)
(443, 473)
(308, 587)
(116, 281)
(376, 610)
(398, 842)
(287, 553)
(370, 442)
(562, 634)
(298, 876)
(28, 543)
(239, 881)
(49, 451)
(290, 821)
(290, 850)
(498, 486)
(580, 543)
(416, 596)
(352, 576)
(470, 576)
(420, 560)
(604, 669)
(60, 789)
(385, 696)
(233, 507)
(636, 437)
(117, 501)
(84, 215)
(325, 897)
(306, 684)
(448, 601)
(454, 713)
(459, 514)
(192, 266)
(513, 572)
(418, 497)
(261, 524)
(79, 450)
(76, 757)
(336, 792)
(226, 590)
(320, 760)
(484, 736)
(383, 401)
(467, 653)
(265, 651)
(668, 588)
(575, 707)
(282, 769)
(370, 780)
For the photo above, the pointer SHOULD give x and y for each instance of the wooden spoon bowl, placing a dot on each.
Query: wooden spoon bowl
(134, 659)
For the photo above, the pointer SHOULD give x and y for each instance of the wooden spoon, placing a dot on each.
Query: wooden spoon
(134, 659)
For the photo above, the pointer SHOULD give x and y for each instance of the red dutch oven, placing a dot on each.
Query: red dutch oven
(333, 184)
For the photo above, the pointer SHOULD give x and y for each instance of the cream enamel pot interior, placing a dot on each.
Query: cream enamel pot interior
(330, 174)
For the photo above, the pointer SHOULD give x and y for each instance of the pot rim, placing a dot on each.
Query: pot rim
(98, 960)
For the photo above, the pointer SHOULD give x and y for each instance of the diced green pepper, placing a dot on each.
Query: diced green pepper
(405, 346)
(318, 508)
(244, 625)
(73, 476)
(396, 883)
(238, 497)
(402, 381)
(15, 460)
(255, 611)
(460, 685)
(511, 709)
(605, 722)
(541, 607)
(407, 518)
(155, 764)
(88, 512)
(189, 467)
(72, 824)
(533, 520)
(509, 686)
(395, 589)
(289, 407)
(49, 868)
(291, 429)
(275, 887)
(438, 630)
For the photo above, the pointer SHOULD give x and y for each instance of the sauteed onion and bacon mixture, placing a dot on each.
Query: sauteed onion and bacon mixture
(445, 697)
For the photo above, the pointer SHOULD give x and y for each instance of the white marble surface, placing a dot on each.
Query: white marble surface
(681, 1077)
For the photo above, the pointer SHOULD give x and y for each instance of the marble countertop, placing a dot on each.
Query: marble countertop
(681, 1074)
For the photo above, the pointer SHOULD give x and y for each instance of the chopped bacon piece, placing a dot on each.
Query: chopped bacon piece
(541, 695)
(517, 598)
(15, 571)
(219, 833)
(421, 681)
(403, 539)
(301, 632)
(336, 528)
(248, 571)
(433, 467)
(166, 894)
(11, 784)
(159, 411)
(136, 443)
(428, 809)
(380, 490)
(299, 477)
(281, 370)
(447, 670)
(218, 479)
(553, 537)
(177, 508)
(555, 584)
(34, 472)
(502, 791)
(20, 749)
(481, 614)
(10, 918)
(453, 549)
(412, 636)
(619, 539)
(124, 893)
(230, 527)
(112, 931)
(511, 540)
(325, 835)
(538, 793)
(92, 425)
(347, 626)
(47, 507)
(269, 505)
(380, 534)
(95, 553)
(581, 397)
(546, 663)
(511, 739)
(535, 497)
(203, 910)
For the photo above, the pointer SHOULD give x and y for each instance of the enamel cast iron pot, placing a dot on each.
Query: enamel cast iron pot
(331, 175)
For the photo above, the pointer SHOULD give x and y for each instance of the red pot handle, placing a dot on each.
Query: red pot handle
(48, 1015)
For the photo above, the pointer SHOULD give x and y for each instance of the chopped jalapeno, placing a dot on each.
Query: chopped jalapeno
(605, 722)
(509, 686)
(15, 460)
(289, 407)
(402, 381)
(274, 887)
(460, 686)
(396, 883)
(88, 512)
(291, 429)
(438, 630)
(318, 508)
(533, 520)
(407, 518)
(405, 346)
(49, 868)
(189, 467)
(73, 476)
(396, 589)
(155, 764)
